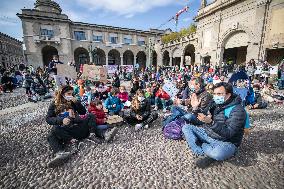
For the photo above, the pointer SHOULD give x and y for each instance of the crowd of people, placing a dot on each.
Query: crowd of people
(208, 111)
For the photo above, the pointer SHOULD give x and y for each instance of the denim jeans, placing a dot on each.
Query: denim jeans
(210, 147)
(159, 101)
(178, 112)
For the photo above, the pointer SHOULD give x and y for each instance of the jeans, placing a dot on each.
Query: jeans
(178, 112)
(160, 101)
(208, 146)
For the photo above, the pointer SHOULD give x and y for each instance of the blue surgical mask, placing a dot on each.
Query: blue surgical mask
(219, 99)
(192, 88)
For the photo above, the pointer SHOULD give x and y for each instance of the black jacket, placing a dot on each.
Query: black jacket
(53, 119)
(228, 129)
(144, 109)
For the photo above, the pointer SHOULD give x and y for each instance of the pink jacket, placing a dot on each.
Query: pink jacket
(123, 96)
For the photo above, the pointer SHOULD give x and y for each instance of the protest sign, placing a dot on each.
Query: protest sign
(127, 68)
(59, 81)
(94, 73)
(170, 89)
(273, 70)
(111, 69)
(66, 71)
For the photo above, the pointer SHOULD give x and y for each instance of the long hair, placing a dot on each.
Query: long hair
(135, 104)
(60, 102)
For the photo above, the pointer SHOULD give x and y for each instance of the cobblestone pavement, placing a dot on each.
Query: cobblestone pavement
(135, 159)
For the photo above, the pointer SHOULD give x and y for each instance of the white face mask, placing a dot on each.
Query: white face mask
(68, 98)
(141, 98)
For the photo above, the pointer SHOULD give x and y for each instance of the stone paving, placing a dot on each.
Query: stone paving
(135, 159)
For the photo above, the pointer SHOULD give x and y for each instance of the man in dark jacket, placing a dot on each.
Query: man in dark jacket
(220, 136)
(198, 93)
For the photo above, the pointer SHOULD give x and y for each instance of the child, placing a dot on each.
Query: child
(161, 98)
(87, 97)
(101, 130)
(123, 95)
(140, 113)
(113, 103)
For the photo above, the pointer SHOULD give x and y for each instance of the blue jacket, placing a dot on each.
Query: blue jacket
(110, 101)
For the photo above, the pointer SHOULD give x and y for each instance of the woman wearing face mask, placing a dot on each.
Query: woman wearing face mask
(140, 113)
(63, 114)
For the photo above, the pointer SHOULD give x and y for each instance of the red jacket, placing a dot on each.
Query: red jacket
(162, 94)
(123, 96)
(100, 115)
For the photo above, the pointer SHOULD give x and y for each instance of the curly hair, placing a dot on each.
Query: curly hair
(135, 104)
(61, 104)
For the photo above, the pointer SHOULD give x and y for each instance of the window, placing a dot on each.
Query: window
(140, 43)
(79, 35)
(98, 38)
(127, 41)
(113, 40)
(46, 32)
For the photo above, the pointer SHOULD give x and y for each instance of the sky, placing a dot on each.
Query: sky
(134, 14)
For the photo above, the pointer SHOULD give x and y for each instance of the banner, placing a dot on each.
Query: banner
(66, 71)
(59, 80)
(170, 89)
(273, 70)
(111, 69)
(128, 68)
(94, 73)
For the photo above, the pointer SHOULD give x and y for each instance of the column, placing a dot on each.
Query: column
(171, 61)
(182, 61)
(107, 60)
(121, 60)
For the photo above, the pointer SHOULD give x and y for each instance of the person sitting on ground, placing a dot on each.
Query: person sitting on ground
(67, 129)
(101, 129)
(149, 94)
(113, 104)
(258, 103)
(135, 86)
(220, 136)
(140, 113)
(270, 95)
(123, 95)
(7, 82)
(162, 98)
(199, 93)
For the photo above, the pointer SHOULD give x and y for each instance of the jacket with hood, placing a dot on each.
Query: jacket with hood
(110, 101)
(99, 114)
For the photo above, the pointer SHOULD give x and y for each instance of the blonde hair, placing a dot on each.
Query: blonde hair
(135, 104)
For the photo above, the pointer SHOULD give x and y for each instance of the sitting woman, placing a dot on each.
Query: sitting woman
(270, 95)
(140, 113)
(101, 129)
(68, 127)
(113, 103)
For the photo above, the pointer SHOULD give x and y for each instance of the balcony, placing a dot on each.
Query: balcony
(46, 38)
(113, 45)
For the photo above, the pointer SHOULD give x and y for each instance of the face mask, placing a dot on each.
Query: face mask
(192, 88)
(141, 98)
(68, 98)
(219, 99)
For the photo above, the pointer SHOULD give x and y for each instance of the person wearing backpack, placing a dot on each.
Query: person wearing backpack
(223, 129)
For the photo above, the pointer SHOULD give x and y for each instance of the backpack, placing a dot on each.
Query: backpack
(173, 130)
(228, 110)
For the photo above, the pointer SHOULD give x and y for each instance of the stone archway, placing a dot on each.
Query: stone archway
(114, 57)
(81, 56)
(99, 57)
(177, 54)
(189, 55)
(141, 59)
(234, 47)
(47, 54)
(128, 58)
(166, 58)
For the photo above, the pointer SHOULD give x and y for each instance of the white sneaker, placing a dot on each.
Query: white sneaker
(164, 110)
(146, 126)
(156, 108)
(59, 159)
(138, 127)
(110, 134)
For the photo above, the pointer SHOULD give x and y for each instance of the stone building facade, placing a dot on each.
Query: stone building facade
(231, 31)
(48, 32)
(11, 51)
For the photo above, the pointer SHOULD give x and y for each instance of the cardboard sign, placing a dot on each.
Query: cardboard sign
(66, 71)
(111, 69)
(128, 68)
(94, 73)
(273, 70)
(171, 89)
(59, 81)
(114, 119)
(258, 70)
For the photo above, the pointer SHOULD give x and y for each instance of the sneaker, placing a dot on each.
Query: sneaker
(94, 139)
(59, 159)
(156, 108)
(146, 126)
(110, 134)
(164, 110)
(138, 127)
(204, 162)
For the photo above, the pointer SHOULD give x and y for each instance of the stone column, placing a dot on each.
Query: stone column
(171, 61)
(182, 61)
(121, 60)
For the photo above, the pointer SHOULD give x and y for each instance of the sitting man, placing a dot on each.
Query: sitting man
(198, 95)
(220, 136)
